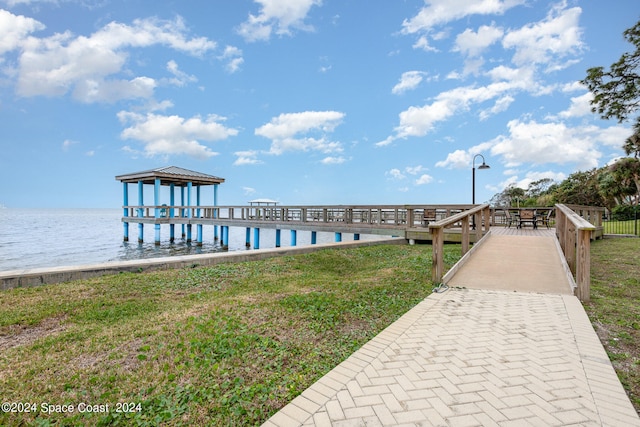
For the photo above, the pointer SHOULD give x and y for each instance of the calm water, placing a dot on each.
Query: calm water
(31, 238)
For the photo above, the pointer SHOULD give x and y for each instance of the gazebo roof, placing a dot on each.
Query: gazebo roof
(171, 175)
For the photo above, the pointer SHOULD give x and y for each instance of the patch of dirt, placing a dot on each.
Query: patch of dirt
(18, 335)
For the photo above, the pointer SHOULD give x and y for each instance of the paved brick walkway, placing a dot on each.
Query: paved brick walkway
(473, 357)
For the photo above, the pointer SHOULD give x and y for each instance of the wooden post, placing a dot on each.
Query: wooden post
(437, 269)
(487, 218)
(478, 221)
(583, 265)
(570, 246)
(465, 235)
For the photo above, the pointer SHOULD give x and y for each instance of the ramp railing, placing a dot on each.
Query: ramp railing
(574, 234)
(475, 220)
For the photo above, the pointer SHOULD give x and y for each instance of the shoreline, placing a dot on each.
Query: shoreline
(11, 279)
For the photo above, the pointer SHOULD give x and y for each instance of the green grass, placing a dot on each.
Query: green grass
(621, 227)
(222, 345)
(614, 308)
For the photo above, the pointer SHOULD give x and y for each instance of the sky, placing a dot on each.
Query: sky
(307, 102)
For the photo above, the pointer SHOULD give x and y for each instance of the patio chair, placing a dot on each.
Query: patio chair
(429, 215)
(510, 219)
(545, 219)
(527, 215)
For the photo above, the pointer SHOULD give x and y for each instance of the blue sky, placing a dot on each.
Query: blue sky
(302, 101)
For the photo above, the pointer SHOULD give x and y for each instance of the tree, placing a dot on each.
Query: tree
(580, 188)
(627, 172)
(616, 92)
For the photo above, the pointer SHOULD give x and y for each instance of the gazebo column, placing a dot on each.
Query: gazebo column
(198, 215)
(140, 211)
(172, 202)
(125, 213)
(182, 213)
(156, 202)
(215, 211)
(189, 212)
(225, 237)
(256, 238)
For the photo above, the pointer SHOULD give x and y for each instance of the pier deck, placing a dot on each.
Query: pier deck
(503, 350)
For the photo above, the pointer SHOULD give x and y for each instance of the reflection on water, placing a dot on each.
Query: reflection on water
(33, 238)
(134, 250)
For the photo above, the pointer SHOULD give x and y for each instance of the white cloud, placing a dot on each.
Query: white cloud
(248, 191)
(419, 121)
(280, 16)
(167, 135)
(543, 143)
(424, 179)
(249, 157)
(330, 160)
(408, 81)
(580, 106)
(395, 174)
(548, 41)
(290, 131)
(502, 104)
(398, 175)
(67, 143)
(473, 43)
(459, 159)
(530, 177)
(14, 30)
(180, 78)
(93, 67)
(234, 58)
(440, 12)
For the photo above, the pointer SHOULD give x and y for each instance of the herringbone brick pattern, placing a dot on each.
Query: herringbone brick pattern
(473, 358)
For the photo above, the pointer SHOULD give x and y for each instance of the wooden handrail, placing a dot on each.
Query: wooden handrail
(574, 235)
(437, 234)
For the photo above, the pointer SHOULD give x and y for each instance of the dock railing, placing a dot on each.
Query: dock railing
(574, 234)
(479, 217)
(398, 216)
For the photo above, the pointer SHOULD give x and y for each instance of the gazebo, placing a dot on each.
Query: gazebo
(171, 176)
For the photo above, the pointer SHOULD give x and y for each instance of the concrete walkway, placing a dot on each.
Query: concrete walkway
(474, 357)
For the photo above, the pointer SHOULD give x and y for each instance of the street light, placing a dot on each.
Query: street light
(473, 176)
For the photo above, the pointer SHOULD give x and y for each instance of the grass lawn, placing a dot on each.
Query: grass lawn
(621, 227)
(222, 345)
(614, 309)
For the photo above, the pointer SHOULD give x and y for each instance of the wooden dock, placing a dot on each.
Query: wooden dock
(408, 221)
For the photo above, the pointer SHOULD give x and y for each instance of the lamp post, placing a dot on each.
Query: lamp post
(473, 176)
(473, 182)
